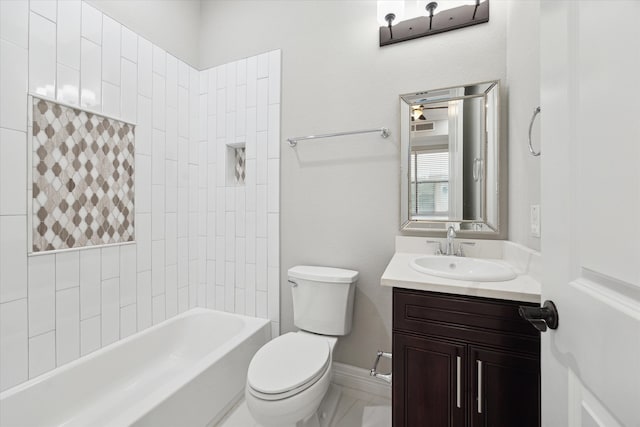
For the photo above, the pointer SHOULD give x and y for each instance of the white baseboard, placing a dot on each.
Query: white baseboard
(359, 379)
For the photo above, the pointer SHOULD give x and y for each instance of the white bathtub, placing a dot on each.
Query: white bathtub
(186, 371)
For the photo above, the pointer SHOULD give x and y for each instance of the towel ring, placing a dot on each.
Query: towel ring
(533, 119)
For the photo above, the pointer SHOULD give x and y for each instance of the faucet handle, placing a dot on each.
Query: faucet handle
(460, 247)
(438, 247)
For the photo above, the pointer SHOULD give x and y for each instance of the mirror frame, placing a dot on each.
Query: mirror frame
(437, 228)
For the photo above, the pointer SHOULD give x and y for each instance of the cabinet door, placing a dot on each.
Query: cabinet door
(428, 382)
(505, 388)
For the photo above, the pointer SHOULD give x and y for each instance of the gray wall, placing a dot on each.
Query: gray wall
(174, 25)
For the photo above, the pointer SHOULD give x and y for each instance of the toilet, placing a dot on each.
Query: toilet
(288, 381)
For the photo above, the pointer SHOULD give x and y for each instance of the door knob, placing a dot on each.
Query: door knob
(541, 317)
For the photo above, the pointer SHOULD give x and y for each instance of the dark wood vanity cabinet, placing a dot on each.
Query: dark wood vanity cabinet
(463, 361)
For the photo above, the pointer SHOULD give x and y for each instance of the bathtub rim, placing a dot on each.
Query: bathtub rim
(251, 326)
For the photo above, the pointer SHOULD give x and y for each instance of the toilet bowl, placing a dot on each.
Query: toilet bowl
(288, 381)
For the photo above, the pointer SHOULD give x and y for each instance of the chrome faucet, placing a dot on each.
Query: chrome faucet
(451, 234)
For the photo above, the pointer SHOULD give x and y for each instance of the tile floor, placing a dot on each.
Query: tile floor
(355, 409)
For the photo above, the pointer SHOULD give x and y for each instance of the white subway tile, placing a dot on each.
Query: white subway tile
(42, 287)
(261, 211)
(91, 23)
(230, 233)
(193, 296)
(90, 282)
(241, 112)
(240, 301)
(171, 239)
(128, 274)
(157, 212)
(129, 91)
(221, 77)
(67, 325)
(143, 128)
(273, 293)
(274, 131)
(171, 197)
(275, 329)
(171, 290)
(183, 112)
(13, 262)
(252, 80)
(110, 50)
(143, 241)
(157, 267)
(158, 157)
(240, 262)
(202, 121)
(13, 172)
(143, 303)
(183, 74)
(202, 295)
(68, 85)
(230, 126)
(231, 86)
(183, 262)
(172, 133)
(128, 320)
(42, 354)
(211, 284)
(263, 65)
(212, 89)
(261, 264)
(229, 287)
(241, 78)
(203, 82)
(46, 8)
(220, 208)
(143, 183)
(90, 335)
(273, 186)
(14, 23)
(193, 276)
(111, 99)
(159, 309)
(250, 286)
(250, 222)
(262, 105)
(158, 100)
(183, 299)
(221, 116)
(261, 305)
(67, 270)
(250, 185)
(13, 85)
(220, 257)
(42, 56)
(145, 67)
(110, 262)
(129, 45)
(273, 246)
(172, 82)
(110, 311)
(220, 292)
(159, 61)
(274, 76)
(68, 37)
(14, 350)
(261, 158)
(90, 75)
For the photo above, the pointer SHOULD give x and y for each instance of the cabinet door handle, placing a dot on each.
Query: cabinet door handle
(479, 362)
(458, 363)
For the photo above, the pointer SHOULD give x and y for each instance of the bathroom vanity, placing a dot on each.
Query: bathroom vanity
(462, 355)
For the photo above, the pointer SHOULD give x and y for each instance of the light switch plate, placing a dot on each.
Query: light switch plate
(535, 220)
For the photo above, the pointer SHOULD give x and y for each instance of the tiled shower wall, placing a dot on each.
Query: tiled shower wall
(201, 239)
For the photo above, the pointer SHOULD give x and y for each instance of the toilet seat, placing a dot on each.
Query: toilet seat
(288, 365)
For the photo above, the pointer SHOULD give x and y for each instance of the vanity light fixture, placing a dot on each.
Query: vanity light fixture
(434, 22)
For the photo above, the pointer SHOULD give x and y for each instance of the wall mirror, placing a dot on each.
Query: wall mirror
(452, 161)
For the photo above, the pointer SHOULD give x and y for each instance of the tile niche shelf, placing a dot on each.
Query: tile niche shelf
(236, 163)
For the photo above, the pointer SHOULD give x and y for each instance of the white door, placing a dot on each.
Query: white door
(590, 133)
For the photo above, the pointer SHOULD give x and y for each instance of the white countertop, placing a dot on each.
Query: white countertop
(400, 275)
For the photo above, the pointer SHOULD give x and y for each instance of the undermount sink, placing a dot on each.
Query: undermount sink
(461, 268)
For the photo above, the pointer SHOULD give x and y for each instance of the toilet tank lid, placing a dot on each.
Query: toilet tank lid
(323, 274)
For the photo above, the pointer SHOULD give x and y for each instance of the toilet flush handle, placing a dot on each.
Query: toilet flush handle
(374, 371)
(293, 284)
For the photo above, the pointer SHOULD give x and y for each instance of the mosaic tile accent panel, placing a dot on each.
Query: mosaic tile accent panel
(240, 165)
(83, 178)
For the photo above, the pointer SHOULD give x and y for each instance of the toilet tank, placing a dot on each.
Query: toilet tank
(323, 298)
